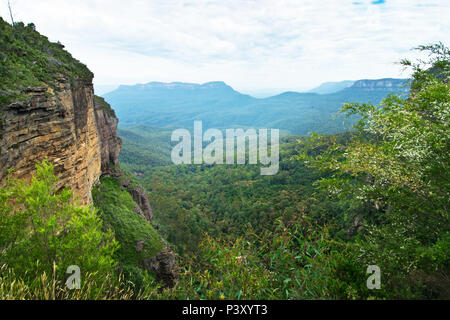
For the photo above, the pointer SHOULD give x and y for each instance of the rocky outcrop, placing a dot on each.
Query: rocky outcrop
(68, 126)
(48, 111)
(138, 194)
(55, 123)
(107, 129)
(163, 265)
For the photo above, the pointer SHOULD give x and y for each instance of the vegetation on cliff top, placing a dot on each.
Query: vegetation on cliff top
(29, 59)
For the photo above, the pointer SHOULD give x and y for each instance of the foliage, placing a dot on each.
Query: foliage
(43, 232)
(117, 210)
(224, 270)
(296, 253)
(224, 200)
(144, 147)
(397, 162)
(49, 287)
(29, 59)
(295, 261)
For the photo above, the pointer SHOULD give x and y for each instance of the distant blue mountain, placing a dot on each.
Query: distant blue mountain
(332, 87)
(103, 89)
(220, 106)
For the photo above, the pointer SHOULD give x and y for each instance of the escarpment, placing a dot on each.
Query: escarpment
(107, 129)
(48, 110)
(58, 124)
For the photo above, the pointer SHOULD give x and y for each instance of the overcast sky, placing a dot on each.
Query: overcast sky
(251, 45)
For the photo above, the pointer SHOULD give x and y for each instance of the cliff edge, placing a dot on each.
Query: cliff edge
(48, 110)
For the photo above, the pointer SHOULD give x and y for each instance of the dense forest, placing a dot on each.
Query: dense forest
(377, 195)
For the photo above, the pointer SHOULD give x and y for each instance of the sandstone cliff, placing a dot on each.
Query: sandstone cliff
(107, 128)
(56, 123)
(48, 110)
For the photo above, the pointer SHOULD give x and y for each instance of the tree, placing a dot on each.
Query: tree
(41, 229)
(397, 161)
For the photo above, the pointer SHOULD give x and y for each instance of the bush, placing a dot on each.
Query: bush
(42, 232)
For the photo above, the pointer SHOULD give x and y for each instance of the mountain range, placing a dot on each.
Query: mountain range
(218, 105)
(332, 87)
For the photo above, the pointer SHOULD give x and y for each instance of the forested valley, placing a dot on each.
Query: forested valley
(376, 195)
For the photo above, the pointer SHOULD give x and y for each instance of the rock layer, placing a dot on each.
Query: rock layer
(139, 195)
(58, 124)
(107, 128)
(164, 266)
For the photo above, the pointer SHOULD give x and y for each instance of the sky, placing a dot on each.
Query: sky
(256, 46)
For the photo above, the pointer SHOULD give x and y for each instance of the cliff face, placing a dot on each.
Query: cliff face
(139, 196)
(57, 123)
(107, 128)
(69, 126)
(46, 111)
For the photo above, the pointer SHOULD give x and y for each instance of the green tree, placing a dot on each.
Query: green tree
(41, 229)
(397, 165)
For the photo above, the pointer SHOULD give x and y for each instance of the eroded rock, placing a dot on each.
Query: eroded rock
(164, 267)
(58, 124)
(107, 128)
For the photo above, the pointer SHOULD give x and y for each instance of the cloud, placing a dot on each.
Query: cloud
(247, 43)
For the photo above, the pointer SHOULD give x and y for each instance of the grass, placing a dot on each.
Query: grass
(48, 287)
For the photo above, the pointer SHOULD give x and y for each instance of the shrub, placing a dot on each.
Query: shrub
(42, 232)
